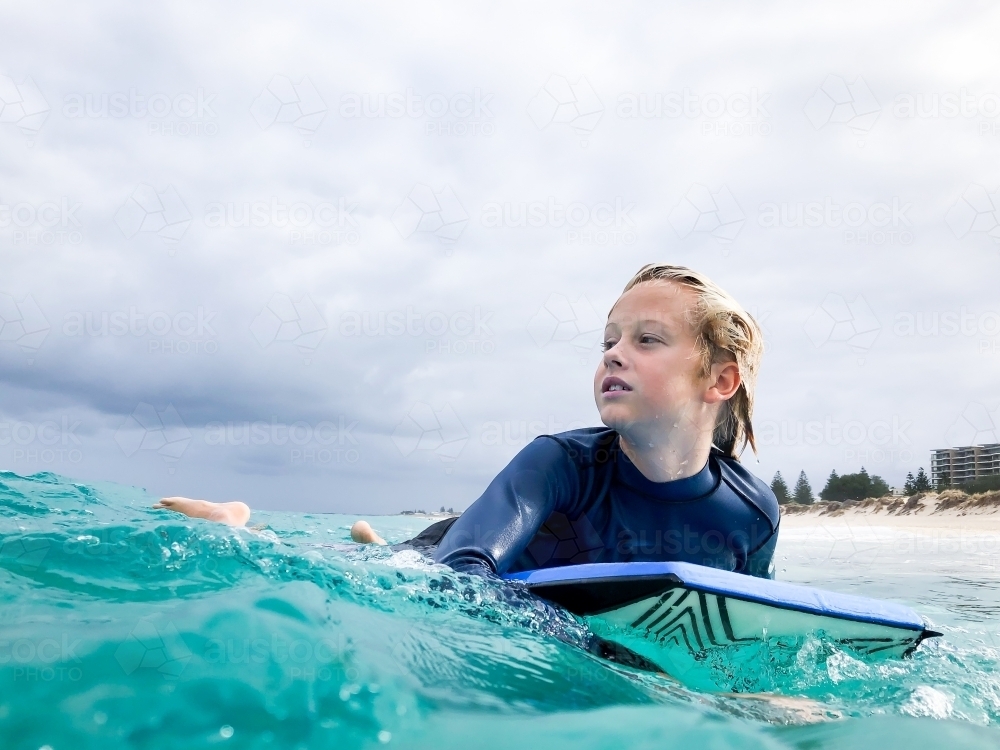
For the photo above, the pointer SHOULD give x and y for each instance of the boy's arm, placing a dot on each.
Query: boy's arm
(232, 514)
(489, 537)
(760, 562)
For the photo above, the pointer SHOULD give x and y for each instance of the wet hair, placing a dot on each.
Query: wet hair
(725, 333)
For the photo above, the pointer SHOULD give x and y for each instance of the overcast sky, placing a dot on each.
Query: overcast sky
(351, 258)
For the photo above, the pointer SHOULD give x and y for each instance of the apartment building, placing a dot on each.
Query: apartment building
(954, 466)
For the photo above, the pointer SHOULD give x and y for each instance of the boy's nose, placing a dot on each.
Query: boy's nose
(613, 357)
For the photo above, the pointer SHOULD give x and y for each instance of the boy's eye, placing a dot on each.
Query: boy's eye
(647, 339)
(608, 343)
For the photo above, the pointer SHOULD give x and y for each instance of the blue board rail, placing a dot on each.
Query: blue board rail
(736, 585)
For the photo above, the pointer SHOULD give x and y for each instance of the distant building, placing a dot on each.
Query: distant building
(951, 467)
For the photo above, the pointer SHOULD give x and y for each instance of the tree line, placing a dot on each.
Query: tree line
(840, 487)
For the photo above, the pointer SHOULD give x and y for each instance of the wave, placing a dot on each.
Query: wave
(124, 626)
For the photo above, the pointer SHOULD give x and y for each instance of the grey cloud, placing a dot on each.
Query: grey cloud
(282, 214)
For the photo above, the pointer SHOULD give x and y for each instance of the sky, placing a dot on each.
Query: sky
(351, 258)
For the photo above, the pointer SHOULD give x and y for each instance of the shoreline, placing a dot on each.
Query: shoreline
(925, 513)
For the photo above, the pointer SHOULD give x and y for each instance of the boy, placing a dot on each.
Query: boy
(661, 480)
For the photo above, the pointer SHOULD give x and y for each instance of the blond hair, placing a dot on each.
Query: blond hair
(725, 333)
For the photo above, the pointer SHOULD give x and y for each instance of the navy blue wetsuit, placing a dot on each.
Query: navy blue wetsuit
(576, 498)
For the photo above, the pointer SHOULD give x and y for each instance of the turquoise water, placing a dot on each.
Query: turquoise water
(124, 627)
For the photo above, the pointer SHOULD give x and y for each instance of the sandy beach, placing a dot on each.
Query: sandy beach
(951, 511)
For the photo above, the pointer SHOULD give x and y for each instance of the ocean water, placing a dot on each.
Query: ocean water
(125, 627)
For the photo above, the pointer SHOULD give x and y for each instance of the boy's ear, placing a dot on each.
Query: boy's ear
(724, 381)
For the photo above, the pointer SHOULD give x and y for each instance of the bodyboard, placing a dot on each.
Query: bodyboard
(673, 612)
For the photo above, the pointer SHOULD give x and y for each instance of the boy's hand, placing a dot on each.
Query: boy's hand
(232, 514)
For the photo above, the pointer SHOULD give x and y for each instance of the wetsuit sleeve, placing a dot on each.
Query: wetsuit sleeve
(495, 530)
(760, 562)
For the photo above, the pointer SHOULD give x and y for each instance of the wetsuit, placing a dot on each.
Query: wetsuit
(576, 498)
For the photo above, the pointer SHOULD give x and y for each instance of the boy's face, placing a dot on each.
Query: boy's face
(649, 380)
